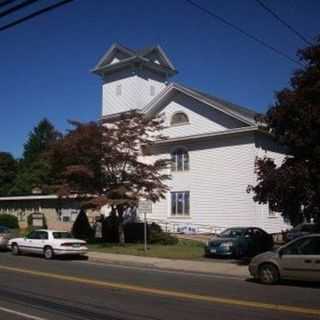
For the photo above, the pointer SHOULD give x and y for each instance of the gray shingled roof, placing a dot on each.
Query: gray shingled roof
(136, 53)
(229, 106)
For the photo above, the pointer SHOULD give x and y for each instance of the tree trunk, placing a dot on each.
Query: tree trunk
(120, 226)
(121, 233)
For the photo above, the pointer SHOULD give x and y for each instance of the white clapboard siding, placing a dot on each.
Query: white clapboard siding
(135, 90)
(220, 171)
(221, 168)
(202, 117)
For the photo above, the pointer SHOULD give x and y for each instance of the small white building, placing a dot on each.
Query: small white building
(213, 143)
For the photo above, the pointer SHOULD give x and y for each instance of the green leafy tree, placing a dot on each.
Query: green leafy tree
(34, 168)
(294, 121)
(8, 172)
(39, 140)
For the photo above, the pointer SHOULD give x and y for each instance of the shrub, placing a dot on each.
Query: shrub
(81, 228)
(134, 232)
(9, 220)
(156, 235)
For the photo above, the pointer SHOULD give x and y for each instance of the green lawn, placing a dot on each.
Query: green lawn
(185, 249)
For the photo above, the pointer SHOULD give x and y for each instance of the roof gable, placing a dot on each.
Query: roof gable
(242, 114)
(118, 55)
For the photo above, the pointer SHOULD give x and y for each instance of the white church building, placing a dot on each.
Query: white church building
(213, 143)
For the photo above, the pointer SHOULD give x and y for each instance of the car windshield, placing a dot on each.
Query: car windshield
(62, 235)
(231, 233)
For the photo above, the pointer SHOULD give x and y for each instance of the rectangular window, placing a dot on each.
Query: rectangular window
(180, 203)
(152, 91)
(118, 90)
(66, 219)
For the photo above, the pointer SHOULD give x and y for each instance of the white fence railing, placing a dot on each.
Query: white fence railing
(186, 228)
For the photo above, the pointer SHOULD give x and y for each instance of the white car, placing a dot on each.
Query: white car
(50, 243)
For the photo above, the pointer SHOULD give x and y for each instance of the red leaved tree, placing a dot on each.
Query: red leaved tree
(294, 121)
(107, 160)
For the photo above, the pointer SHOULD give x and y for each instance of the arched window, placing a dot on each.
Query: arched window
(180, 160)
(179, 118)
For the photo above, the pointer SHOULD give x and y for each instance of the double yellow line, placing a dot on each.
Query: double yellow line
(167, 293)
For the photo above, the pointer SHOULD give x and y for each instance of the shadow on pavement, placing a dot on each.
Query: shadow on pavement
(239, 262)
(289, 283)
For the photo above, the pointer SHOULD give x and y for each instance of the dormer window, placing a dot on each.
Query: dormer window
(118, 90)
(179, 118)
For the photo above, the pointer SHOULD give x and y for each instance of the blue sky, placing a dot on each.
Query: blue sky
(45, 62)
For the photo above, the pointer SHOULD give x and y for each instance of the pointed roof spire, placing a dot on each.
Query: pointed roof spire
(118, 56)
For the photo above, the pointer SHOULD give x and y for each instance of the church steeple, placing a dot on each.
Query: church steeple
(118, 57)
(132, 78)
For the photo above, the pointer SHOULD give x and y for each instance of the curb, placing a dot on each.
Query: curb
(153, 266)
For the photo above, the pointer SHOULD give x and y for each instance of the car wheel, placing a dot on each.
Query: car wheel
(48, 253)
(269, 274)
(15, 249)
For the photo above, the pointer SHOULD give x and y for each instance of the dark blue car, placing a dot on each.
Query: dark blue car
(239, 242)
(303, 229)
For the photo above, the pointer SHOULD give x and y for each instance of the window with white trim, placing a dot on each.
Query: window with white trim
(180, 203)
(118, 90)
(180, 160)
(179, 118)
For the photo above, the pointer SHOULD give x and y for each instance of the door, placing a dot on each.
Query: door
(301, 259)
(35, 242)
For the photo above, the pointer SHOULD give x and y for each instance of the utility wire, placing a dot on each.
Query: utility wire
(34, 14)
(17, 7)
(275, 15)
(247, 34)
(5, 2)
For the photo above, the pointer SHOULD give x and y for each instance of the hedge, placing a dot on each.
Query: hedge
(9, 220)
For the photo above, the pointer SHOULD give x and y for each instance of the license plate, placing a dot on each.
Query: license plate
(213, 250)
(76, 245)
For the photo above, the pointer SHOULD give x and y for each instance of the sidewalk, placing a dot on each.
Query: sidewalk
(220, 267)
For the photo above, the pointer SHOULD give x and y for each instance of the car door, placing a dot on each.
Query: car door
(314, 255)
(26, 244)
(300, 260)
(261, 240)
(252, 241)
(33, 243)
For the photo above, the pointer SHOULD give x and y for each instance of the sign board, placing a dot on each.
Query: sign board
(145, 206)
(37, 220)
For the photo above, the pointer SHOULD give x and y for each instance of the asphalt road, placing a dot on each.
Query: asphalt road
(33, 288)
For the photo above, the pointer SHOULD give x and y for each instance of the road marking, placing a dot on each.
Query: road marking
(21, 314)
(167, 293)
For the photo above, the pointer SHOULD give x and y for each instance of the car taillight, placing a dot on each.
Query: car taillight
(66, 244)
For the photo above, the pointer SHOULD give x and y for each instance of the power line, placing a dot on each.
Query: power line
(5, 2)
(17, 7)
(275, 15)
(247, 34)
(34, 14)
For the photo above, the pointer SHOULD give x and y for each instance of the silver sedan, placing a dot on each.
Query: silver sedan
(297, 260)
(5, 236)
